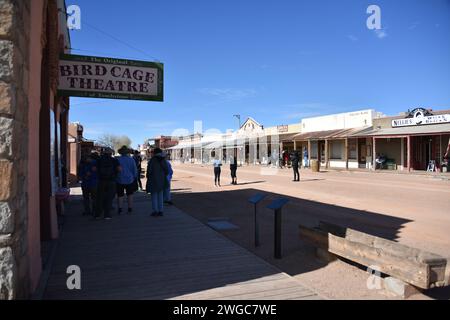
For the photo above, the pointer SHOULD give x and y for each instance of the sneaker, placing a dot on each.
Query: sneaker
(160, 214)
(154, 214)
(119, 211)
(130, 210)
(170, 203)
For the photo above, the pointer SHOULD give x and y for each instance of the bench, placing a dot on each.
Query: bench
(419, 268)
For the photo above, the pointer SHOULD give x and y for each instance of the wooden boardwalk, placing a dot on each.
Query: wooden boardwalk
(172, 257)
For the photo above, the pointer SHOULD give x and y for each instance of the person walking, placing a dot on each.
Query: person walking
(157, 172)
(295, 159)
(305, 157)
(167, 195)
(87, 173)
(138, 160)
(126, 179)
(233, 169)
(217, 164)
(108, 168)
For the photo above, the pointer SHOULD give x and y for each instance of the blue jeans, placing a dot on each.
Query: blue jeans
(167, 195)
(157, 201)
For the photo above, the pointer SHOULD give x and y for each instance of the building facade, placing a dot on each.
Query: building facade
(33, 131)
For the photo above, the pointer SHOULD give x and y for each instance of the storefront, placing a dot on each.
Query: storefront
(417, 140)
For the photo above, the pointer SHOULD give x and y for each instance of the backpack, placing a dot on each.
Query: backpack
(107, 169)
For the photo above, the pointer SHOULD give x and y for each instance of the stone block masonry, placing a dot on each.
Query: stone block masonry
(14, 69)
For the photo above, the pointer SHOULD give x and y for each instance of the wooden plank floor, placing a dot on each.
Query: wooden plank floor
(172, 257)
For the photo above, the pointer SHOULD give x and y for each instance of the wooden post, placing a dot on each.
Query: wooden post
(346, 153)
(295, 145)
(374, 154)
(326, 153)
(309, 151)
(408, 153)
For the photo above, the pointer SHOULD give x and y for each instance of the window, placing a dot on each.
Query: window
(314, 150)
(337, 149)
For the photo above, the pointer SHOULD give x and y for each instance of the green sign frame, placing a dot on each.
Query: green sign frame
(120, 62)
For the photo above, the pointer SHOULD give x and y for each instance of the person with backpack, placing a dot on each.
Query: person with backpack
(126, 179)
(138, 160)
(157, 172)
(108, 168)
(87, 173)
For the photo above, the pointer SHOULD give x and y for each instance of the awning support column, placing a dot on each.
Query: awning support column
(346, 153)
(374, 154)
(326, 153)
(409, 153)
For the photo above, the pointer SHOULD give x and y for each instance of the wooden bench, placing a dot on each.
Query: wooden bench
(419, 268)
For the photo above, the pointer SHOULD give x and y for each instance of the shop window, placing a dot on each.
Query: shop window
(314, 150)
(337, 149)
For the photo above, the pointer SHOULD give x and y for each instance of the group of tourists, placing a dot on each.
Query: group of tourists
(104, 177)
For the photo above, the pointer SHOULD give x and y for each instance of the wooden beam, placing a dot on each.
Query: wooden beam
(326, 153)
(408, 151)
(346, 153)
(419, 268)
(374, 153)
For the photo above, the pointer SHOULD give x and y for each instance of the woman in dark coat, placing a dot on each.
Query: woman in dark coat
(157, 171)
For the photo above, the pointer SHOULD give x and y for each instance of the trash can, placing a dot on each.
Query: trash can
(315, 165)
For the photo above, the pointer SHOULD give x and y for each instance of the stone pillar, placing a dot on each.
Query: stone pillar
(14, 72)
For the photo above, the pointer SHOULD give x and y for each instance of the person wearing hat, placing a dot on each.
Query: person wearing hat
(126, 179)
(108, 168)
(157, 172)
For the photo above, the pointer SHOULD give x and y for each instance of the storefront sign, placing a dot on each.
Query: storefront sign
(421, 117)
(97, 77)
(282, 128)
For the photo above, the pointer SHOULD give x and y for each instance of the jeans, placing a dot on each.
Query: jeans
(90, 199)
(167, 195)
(105, 197)
(217, 175)
(157, 201)
(296, 173)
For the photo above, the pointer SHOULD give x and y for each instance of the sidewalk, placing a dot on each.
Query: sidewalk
(172, 257)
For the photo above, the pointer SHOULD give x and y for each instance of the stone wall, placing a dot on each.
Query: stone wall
(14, 72)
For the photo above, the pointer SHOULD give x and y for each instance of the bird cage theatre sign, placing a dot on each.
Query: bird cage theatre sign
(111, 78)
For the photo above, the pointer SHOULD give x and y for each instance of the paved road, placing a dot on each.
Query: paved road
(172, 257)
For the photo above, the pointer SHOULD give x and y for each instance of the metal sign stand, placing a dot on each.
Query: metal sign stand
(277, 205)
(255, 200)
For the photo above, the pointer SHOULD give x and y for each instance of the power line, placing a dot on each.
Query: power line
(114, 38)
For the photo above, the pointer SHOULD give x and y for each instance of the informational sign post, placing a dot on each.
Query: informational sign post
(110, 78)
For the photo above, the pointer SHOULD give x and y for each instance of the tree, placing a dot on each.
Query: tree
(113, 141)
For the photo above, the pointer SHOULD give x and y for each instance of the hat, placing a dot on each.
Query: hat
(124, 150)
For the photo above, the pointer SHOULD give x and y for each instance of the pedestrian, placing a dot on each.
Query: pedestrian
(126, 179)
(167, 194)
(138, 160)
(87, 173)
(295, 159)
(233, 169)
(305, 157)
(157, 172)
(217, 164)
(108, 168)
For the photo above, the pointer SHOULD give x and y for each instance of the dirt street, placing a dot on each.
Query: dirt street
(411, 209)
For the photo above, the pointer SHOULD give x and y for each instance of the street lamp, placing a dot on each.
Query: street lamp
(238, 116)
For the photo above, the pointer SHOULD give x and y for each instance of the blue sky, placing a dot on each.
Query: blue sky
(276, 61)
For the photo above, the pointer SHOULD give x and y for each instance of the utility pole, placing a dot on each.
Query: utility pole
(238, 116)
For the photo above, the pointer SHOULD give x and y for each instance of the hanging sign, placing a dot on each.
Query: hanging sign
(111, 78)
